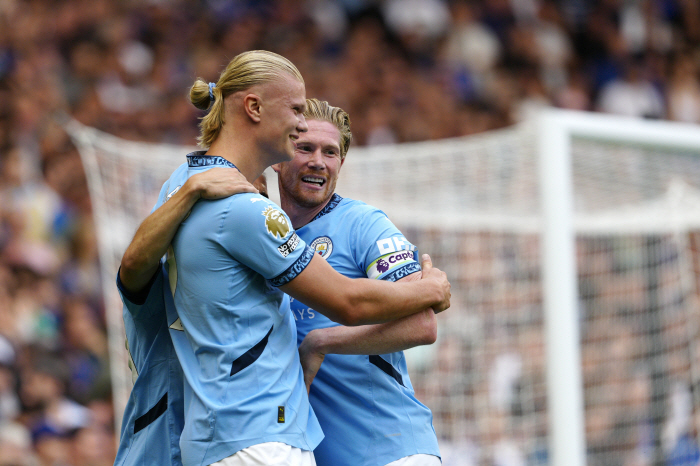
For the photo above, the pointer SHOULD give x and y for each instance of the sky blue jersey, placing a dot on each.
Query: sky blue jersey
(365, 404)
(154, 414)
(244, 381)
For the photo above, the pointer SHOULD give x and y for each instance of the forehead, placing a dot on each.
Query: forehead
(286, 87)
(321, 133)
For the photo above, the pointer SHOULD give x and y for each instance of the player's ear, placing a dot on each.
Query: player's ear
(252, 105)
(276, 167)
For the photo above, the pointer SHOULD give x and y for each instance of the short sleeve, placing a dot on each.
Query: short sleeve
(386, 253)
(147, 302)
(257, 233)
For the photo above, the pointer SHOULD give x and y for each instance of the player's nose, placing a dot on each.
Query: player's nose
(316, 159)
(302, 125)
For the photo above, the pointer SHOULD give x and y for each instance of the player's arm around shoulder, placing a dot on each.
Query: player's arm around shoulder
(364, 301)
(152, 239)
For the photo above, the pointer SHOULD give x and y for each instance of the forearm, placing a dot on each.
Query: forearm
(377, 301)
(363, 301)
(414, 330)
(153, 237)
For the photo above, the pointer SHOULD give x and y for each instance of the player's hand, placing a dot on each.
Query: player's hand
(221, 182)
(311, 359)
(440, 279)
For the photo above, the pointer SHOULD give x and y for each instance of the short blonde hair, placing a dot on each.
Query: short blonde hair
(243, 72)
(323, 111)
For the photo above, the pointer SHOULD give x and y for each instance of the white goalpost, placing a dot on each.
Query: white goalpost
(556, 128)
(571, 242)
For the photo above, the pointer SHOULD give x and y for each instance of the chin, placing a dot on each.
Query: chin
(315, 200)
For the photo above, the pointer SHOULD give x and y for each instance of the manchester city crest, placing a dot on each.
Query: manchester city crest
(323, 246)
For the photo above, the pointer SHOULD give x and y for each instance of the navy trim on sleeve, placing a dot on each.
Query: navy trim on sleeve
(386, 368)
(152, 414)
(293, 270)
(140, 296)
(250, 356)
(402, 272)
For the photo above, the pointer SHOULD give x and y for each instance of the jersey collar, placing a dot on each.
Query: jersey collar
(198, 159)
(332, 204)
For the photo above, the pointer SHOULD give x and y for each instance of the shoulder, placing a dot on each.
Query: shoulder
(359, 209)
(253, 211)
(241, 204)
(179, 175)
(252, 203)
(174, 183)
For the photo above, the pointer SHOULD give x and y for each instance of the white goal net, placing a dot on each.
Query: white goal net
(475, 205)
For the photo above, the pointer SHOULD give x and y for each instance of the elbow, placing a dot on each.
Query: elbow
(428, 328)
(354, 314)
(429, 336)
(135, 273)
(343, 313)
(127, 265)
(128, 275)
(130, 264)
(354, 311)
(349, 318)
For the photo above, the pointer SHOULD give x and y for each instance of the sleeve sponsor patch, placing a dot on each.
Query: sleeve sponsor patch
(276, 222)
(289, 247)
(394, 244)
(389, 262)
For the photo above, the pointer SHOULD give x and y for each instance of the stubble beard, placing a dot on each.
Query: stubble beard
(310, 201)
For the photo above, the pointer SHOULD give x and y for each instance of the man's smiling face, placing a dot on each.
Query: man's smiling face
(283, 102)
(309, 179)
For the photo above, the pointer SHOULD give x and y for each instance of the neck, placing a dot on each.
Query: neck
(299, 215)
(245, 156)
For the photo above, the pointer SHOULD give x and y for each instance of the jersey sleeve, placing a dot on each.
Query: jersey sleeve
(259, 234)
(147, 302)
(385, 253)
(171, 186)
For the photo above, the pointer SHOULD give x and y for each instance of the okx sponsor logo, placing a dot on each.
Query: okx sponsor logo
(394, 244)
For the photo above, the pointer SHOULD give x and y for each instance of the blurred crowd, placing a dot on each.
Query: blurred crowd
(406, 70)
(485, 378)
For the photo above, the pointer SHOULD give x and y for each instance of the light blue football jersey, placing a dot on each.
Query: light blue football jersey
(154, 414)
(365, 404)
(244, 380)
